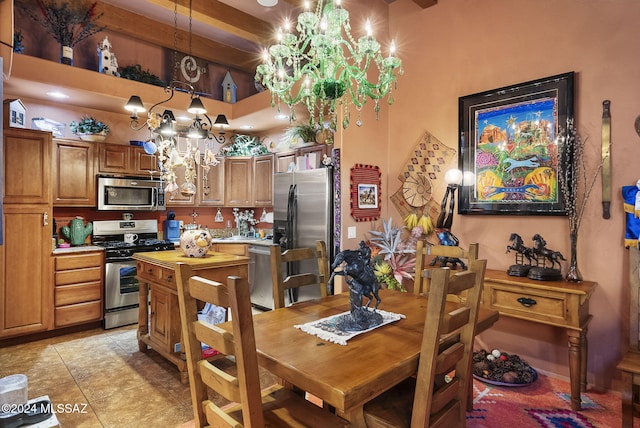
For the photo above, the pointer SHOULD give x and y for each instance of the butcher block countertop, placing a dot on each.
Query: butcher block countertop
(169, 259)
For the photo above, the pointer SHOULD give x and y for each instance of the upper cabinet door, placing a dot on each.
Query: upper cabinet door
(211, 185)
(114, 158)
(74, 182)
(238, 178)
(263, 181)
(27, 166)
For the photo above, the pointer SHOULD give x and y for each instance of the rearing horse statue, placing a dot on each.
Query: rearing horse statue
(358, 275)
(517, 244)
(541, 249)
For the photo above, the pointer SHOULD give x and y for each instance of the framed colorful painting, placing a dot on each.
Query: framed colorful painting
(510, 139)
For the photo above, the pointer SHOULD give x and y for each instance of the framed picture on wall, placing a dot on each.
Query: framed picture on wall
(367, 196)
(511, 140)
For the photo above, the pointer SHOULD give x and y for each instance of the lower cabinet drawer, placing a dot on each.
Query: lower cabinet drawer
(77, 293)
(545, 306)
(78, 275)
(78, 313)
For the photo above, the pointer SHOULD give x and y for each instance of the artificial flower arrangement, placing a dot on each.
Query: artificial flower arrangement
(89, 125)
(393, 257)
(68, 22)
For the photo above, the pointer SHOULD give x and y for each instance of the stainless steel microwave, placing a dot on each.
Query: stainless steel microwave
(130, 194)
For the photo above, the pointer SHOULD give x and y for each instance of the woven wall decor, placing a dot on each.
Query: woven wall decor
(365, 192)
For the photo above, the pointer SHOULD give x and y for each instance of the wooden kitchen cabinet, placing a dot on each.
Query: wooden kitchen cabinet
(159, 325)
(249, 181)
(211, 185)
(79, 285)
(177, 198)
(26, 298)
(27, 166)
(74, 178)
(284, 159)
(233, 248)
(125, 160)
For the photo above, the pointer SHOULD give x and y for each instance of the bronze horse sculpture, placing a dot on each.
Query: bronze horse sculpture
(541, 250)
(359, 275)
(517, 244)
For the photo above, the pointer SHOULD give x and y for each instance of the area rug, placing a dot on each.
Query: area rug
(326, 328)
(545, 403)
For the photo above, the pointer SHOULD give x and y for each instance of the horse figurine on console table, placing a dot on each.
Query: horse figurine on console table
(522, 252)
(543, 272)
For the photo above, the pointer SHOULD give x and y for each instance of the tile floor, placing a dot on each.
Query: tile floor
(104, 370)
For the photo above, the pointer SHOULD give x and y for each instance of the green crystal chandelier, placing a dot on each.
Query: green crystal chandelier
(323, 66)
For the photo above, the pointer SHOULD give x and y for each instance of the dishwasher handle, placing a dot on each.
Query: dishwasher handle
(259, 249)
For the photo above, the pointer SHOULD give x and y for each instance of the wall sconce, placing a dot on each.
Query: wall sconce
(454, 179)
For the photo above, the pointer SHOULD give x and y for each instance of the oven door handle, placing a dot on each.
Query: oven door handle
(118, 259)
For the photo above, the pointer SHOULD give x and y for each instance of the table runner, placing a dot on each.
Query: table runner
(325, 328)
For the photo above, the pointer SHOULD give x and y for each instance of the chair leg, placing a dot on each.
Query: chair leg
(627, 400)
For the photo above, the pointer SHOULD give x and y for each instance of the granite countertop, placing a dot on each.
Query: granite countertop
(253, 241)
(77, 249)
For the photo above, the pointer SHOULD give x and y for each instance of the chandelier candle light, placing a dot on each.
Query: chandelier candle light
(323, 65)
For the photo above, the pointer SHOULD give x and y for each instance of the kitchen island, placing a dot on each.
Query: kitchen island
(159, 313)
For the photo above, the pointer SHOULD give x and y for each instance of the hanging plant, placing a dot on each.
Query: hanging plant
(68, 22)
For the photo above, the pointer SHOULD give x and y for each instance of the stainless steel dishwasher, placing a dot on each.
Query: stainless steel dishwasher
(260, 277)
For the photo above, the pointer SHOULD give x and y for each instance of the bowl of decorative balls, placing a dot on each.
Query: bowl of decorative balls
(500, 368)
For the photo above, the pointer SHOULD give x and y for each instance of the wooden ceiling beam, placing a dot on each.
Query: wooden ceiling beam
(222, 16)
(156, 33)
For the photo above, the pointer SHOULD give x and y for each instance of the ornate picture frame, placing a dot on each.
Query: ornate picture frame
(365, 192)
(510, 139)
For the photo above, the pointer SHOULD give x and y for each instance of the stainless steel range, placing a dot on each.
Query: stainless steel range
(121, 297)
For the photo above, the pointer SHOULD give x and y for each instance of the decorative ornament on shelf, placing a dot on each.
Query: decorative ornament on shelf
(68, 22)
(107, 62)
(322, 66)
(90, 129)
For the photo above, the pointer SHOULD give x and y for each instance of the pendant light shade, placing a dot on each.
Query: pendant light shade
(134, 105)
(196, 106)
(221, 121)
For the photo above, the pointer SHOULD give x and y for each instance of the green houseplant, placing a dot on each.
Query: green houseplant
(90, 129)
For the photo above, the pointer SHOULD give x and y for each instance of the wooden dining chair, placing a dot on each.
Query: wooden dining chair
(283, 282)
(629, 365)
(428, 255)
(250, 407)
(437, 396)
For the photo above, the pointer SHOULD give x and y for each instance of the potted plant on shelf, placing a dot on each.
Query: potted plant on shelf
(90, 129)
(300, 135)
(68, 22)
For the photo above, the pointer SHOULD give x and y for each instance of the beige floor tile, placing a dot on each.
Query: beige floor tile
(129, 405)
(71, 406)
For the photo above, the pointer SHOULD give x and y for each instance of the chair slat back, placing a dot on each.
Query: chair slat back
(242, 388)
(427, 256)
(282, 282)
(447, 345)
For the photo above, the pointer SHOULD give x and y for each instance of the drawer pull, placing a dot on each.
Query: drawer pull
(526, 302)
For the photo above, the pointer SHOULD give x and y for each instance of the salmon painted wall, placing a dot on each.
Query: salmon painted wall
(461, 47)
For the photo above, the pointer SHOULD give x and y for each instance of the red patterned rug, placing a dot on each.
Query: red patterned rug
(545, 403)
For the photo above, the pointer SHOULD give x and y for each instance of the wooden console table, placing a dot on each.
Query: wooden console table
(159, 324)
(558, 303)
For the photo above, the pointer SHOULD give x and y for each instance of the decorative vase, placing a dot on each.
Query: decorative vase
(66, 55)
(573, 273)
(195, 242)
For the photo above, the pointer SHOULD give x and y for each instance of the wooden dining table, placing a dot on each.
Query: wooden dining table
(346, 376)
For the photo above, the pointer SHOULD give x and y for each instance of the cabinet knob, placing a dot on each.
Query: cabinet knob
(526, 302)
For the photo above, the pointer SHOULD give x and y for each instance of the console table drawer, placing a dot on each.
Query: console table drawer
(545, 306)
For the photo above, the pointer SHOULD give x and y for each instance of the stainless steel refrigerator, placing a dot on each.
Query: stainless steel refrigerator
(302, 214)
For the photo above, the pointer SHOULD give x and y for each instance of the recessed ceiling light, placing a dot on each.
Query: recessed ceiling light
(268, 3)
(183, 118)
(281, 116)
(246, 127)
(57, 94)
